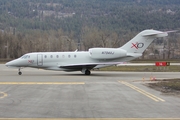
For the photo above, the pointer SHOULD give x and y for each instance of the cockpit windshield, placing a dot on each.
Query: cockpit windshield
(25, 57)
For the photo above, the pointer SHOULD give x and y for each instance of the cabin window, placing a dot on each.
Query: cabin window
(74, 56)
(69, 56)
(57, 56)
(45, 56)
(51, 56)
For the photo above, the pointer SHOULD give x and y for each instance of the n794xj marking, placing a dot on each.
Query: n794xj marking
(84, 61)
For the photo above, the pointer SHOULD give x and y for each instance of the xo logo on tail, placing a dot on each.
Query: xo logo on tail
(137, 45)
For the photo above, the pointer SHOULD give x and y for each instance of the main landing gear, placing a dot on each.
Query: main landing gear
(20, 73)
(86, 71)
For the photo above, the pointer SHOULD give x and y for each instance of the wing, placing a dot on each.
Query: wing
(87, 65)
(80, 66)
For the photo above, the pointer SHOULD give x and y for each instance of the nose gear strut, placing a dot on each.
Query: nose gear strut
(20, 73)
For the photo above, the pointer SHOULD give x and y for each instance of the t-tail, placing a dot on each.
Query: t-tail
(142, 40)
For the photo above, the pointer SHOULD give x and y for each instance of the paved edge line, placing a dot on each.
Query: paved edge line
(4, 95)
(41, 83)
(153, 97)
(89, 118)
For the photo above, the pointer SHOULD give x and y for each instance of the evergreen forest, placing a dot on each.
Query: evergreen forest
(67, 25)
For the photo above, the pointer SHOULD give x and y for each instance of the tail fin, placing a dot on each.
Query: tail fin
(142, 40)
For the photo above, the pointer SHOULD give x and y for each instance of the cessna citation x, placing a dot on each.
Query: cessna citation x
(85, 61)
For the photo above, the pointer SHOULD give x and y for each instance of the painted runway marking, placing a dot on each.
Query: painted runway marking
(41, 83)
(89, 118)
(153, 97)
(2, 95)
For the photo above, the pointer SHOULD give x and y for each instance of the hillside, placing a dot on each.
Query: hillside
(81, 21)
(73, 15)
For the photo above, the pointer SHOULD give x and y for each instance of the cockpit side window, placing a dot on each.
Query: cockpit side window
(25, 57)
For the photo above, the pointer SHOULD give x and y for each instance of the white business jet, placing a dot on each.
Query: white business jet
(85, 61)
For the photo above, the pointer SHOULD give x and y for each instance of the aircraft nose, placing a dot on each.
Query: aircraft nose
(17, 63)
(6, 64)
(11, 63)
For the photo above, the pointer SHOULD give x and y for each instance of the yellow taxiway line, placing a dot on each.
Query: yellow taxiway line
(41, 83)
(153, 97)
(89, 118)
(3, 95)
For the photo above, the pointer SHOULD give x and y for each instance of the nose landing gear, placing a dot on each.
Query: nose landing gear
(20, 73)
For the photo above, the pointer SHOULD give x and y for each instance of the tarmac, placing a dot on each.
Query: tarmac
(58, 95)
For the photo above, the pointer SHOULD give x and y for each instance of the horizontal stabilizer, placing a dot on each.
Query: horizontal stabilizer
(171, 31)
(155, 33)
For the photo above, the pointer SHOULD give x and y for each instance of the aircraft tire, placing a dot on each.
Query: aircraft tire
(87, 72)
(20, 73)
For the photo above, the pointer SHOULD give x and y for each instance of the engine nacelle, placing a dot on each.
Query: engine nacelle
(106, 53)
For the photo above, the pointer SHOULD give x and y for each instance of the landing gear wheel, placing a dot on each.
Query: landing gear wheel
(87, 72)
(20, 73)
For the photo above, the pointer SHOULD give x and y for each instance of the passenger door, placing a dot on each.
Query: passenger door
(39, 60)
